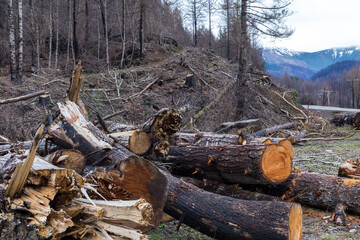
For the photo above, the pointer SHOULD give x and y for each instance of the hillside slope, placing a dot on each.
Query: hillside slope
(163, 76)
(305, 64)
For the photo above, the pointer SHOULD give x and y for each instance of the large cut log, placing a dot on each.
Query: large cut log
(223, 217)
(318, 190)
(230, 190)
(214, 139)
(246, 164)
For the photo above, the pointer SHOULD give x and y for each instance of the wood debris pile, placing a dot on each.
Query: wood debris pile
(89, 184)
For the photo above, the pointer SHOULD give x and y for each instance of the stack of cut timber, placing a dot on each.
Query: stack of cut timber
(350, 119)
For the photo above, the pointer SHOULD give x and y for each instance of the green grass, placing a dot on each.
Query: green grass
(328, 237)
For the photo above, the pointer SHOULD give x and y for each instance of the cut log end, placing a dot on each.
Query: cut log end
(139, 142)
(295, 222)
(286, 143)
(276, 163)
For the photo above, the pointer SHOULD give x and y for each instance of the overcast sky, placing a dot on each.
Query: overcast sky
(322, 24)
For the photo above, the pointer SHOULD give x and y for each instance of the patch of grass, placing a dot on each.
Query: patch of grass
(328, 237)
(348, 235)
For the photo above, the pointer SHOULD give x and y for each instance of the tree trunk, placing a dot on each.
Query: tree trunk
(13, 63)
(246, 164)
(51, 20)
(228, 29)
(271, 130)
(243, 37)
(223, 217)
(210, 33)
(141, 28)
(230, 190)
(318, 190)
(103, 8)
(69, 35)
(21, 39)
(195, 23)
(74, 28)
(124, 34)
(57, 35)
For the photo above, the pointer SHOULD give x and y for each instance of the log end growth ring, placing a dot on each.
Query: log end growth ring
(295, 222)
(286, 143)
(139, 142)
(276, 163)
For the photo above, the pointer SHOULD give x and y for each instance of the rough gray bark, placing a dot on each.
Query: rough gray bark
(51, 20)
(223, 217)
(21, 38)
(13, 62)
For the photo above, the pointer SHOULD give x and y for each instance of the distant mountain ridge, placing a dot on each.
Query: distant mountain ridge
(305, 64)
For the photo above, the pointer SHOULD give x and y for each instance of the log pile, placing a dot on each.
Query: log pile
(97, 185)
(349, 119)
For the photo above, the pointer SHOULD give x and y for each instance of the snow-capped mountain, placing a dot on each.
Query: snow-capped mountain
(305, 64)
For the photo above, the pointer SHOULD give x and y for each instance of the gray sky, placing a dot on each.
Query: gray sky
(321, 24)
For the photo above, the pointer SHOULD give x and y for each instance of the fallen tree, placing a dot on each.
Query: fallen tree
(223, 217)
(318, 190)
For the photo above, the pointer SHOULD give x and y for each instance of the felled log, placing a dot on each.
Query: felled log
(318, 190)
(350, 119)
(268, 131)
(226, 126)
(223, 217)
(230, 190)
(22, 98)
(246, 164)
(215, 139)
(350, 168)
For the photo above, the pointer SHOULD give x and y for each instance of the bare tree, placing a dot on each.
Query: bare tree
(123, 33)
(195, 13)
(264, 17)
(21, 38)
(141, 28)
(12, 41)
(211, 4)
(50, 32)
(103, 9)
(57, 35)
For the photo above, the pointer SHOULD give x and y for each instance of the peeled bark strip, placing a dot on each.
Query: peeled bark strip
(318, 190)
(223, 217)
(247, 164)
